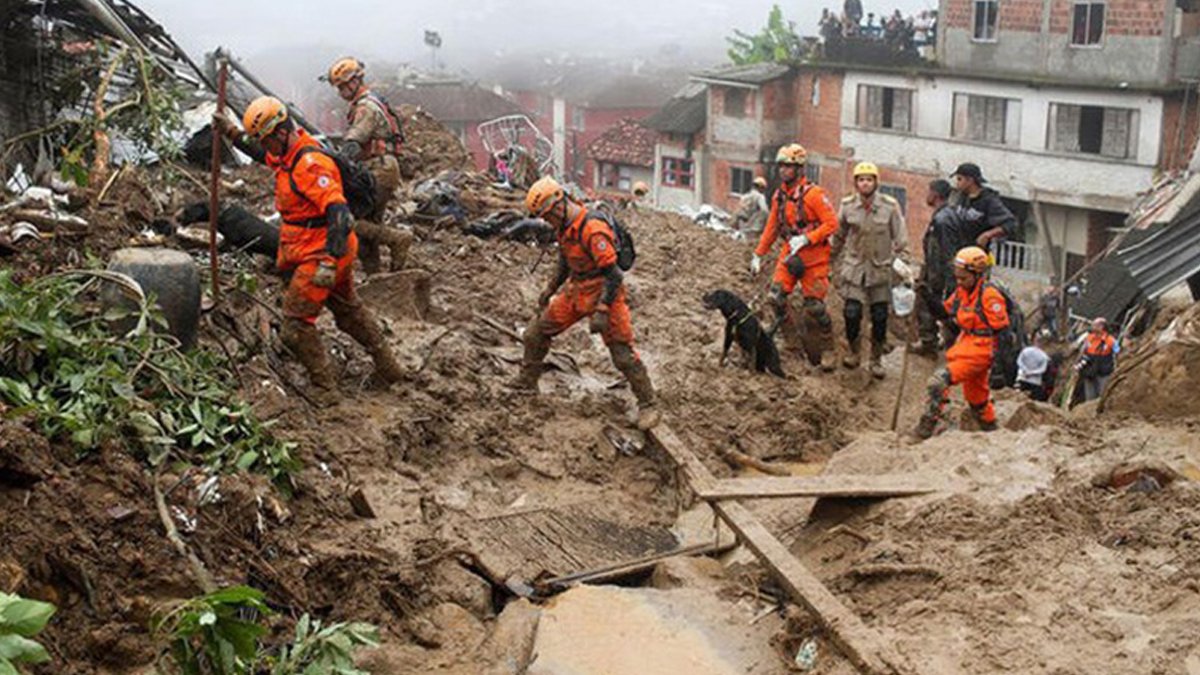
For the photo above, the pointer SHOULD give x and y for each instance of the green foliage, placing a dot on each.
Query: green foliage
(61, 362)
(21, 620)
(147, 113)
(217, 634)
(325, 651)
(777, 42)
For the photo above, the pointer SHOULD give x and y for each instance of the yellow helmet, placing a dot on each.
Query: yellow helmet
(973, 259)
(640, 188)
(544, 195)
(344, 70)
(792, 154)
(866, 169)
(263, 116)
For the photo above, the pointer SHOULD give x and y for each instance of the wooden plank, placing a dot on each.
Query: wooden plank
(862, 645)
(898, 485)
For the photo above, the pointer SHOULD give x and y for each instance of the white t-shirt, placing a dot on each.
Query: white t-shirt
(1031, 365)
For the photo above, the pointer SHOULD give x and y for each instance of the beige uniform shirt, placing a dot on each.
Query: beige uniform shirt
(752, 212)
(369, 128)
(868, 239)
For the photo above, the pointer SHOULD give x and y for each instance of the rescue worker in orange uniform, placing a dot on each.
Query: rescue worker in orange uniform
(1099, 360)
(802, 216)
(587, 284)
(980, 312)
(317, 246)
(373, 138)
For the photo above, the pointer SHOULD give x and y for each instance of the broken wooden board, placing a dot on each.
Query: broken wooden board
(861, 644)
(560, 541)
(898, 485)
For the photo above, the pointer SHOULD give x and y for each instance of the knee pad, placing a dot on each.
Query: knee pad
(853, 311)
(816, 309)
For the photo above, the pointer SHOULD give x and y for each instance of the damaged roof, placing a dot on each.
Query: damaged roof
(627, 142)
(453, 101)
(755, 74)
(685, 113)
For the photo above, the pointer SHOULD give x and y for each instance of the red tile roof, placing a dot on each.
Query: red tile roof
(626, 142)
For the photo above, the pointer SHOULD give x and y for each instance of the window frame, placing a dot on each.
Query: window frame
(897, 192)
(1133, 121)
(995, 36)
(748, 183)
(673, 169)
(1010, 122)
(862, 113)
(1090, 5)
(744, 97)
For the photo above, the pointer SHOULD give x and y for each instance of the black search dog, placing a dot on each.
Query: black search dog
(742, 325)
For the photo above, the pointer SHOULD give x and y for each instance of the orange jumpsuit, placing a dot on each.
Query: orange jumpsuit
(586, 257)
(318, 185)
(969, 360)
(818, 222)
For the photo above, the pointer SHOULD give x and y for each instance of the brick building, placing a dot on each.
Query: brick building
(622, 156)
(679, 149)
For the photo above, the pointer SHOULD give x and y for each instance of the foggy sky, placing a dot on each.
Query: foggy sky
(478, 31)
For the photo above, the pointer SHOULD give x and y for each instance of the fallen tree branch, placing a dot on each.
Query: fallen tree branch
(199, 572)
(739, 459)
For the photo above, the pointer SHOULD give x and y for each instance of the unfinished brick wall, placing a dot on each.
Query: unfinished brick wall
(916, 213)
(1019, 15)
(1142, 18)
(820, 125)
(1177, 149)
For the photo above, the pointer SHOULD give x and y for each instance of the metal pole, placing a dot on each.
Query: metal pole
(214, 186)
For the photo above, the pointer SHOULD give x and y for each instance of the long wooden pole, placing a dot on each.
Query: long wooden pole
(214, 186)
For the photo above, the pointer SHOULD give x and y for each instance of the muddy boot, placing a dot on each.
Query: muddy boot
(876, 366)
(977, 413)
(634, 370)
(923, 347)
(537, 346)
(925, 427)
(354, 320)
(368, 250)
(399, 244)
(373, 237)
(852, 359)
(817, 346)
(304, 341)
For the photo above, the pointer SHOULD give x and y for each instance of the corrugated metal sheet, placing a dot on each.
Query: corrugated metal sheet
(1163, 256)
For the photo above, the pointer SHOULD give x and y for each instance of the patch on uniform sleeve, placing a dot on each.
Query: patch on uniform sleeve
(602, 245)
(323, 182)
(997, 306)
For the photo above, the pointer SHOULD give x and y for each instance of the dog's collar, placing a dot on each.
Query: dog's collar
(744, 319)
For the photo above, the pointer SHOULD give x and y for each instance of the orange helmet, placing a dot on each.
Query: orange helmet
(792, 154)
(344, 70)
(544, 195)
(263, 116)
(973, 259)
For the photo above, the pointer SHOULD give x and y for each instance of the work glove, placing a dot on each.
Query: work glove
(599, 321)
(798, 242)
(325, 275)
(755, 264)
(339, 223)
(544, 298)
(225, 126)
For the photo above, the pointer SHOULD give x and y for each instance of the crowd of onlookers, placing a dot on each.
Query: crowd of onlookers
(911, 34)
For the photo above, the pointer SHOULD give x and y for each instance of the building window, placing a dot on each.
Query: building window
(741, 181)
(812, 172)
(677, 172)
(735, 102)
(986, 12)
(816, 92)
(898, 193)
(616, 177)
(1093, 130)
(987, 119)
(577, 119)
(885, 107)
(1087, 23)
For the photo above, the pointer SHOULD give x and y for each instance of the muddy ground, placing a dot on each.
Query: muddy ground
(1022, 564)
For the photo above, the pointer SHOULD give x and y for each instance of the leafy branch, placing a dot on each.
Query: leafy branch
(777, 42)
(20, 621)
(61, 362)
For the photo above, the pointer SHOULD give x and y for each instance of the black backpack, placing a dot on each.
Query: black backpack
(1009, 342)
(358, 183)
(626, 254)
